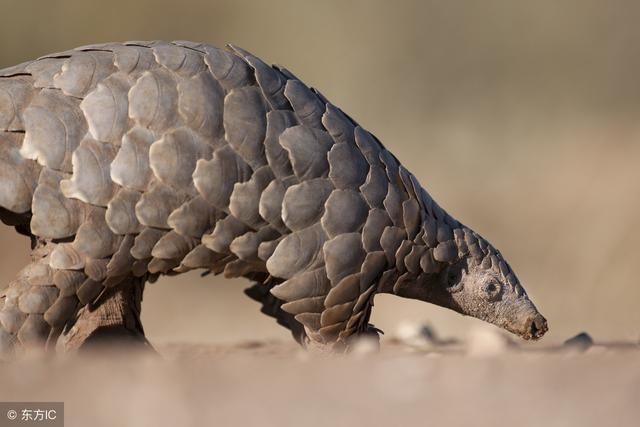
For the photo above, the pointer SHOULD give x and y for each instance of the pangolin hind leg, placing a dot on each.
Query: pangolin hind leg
(112, 319)
(33, 310)
(45, 309)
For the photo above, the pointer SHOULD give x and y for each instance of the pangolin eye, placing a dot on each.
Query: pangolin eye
(492, 290)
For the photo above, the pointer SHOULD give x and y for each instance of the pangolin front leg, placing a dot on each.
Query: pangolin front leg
(272, 307)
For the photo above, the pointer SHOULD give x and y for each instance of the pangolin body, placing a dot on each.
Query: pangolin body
(127, 161)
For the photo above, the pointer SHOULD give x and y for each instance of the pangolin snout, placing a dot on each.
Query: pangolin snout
(535, 327)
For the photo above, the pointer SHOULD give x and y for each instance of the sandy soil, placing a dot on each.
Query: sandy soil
(484, 382)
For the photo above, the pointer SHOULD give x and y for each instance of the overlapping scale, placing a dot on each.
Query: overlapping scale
(345, 212)
(43, 70)
(153, 100)
(157, 203)
(246, 246)
(15, 95)
(193, 218)
(270, 80)
(94, 238)
(214, 179)
(54, 126)
(224, 232)
(121, 212)
(173, 158)
(277, 157)
(245, 123)
(227, 68)
(271, 202)
(343, 255)
(307, 106)
(307, 150)
(200, 105)
(107, 108)
(303, 204)
(178, 59)
(312, 283)
(297, 252)
(91, 178)
(19, 176)
(53, 215)
(133, 60)
(244, 202)
(130, 168)
(81, 72)
(347, 167)
(340, 127)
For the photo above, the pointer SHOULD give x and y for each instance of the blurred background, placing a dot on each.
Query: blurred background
(522, 119)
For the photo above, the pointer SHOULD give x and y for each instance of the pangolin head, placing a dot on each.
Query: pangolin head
(477, 282)
(479, 291)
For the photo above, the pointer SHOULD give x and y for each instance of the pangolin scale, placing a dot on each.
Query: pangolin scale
(127, 161)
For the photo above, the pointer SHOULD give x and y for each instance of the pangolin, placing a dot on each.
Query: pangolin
(126, 161)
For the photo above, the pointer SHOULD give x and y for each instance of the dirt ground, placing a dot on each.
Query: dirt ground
(274, 383)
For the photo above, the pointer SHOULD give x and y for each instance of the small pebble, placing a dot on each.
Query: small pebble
(581, 342)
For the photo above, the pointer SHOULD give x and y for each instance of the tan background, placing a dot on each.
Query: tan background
(520, 118)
